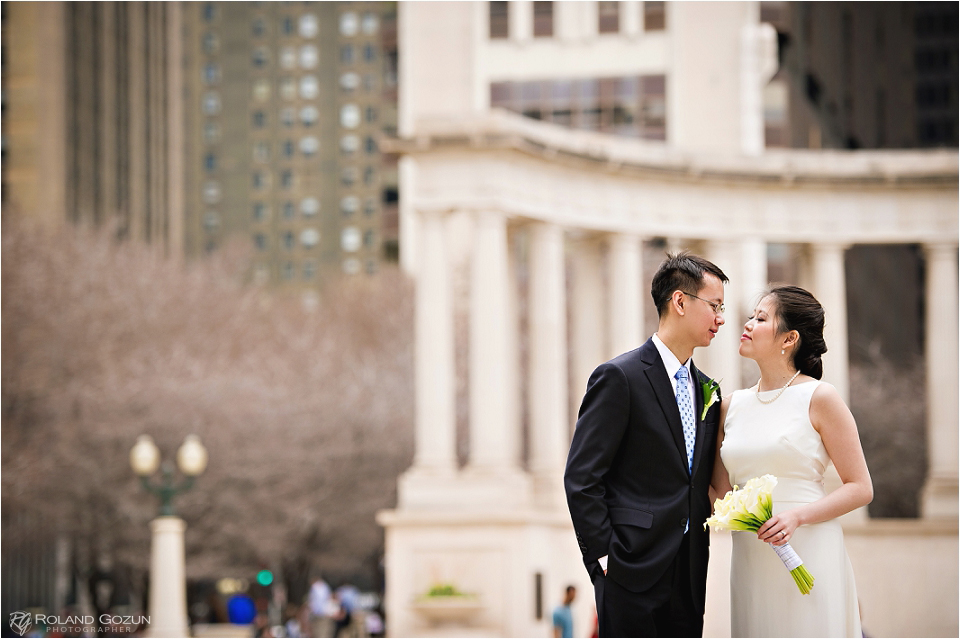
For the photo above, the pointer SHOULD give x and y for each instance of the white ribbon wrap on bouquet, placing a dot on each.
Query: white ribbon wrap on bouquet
(788, 556)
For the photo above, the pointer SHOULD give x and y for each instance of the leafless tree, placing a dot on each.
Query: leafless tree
(307, 414)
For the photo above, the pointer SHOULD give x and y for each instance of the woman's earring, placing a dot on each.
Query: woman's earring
(783, 352)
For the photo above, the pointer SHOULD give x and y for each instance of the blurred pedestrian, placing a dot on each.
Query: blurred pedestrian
(319, 602)
(563, 615)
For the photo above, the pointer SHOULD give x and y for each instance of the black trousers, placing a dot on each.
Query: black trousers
(666, 609)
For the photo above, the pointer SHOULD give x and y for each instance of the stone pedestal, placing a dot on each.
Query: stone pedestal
(168, 588)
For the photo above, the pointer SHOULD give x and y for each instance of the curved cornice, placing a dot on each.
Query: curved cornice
(501, 130)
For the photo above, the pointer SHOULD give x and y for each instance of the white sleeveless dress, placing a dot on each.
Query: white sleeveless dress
(778, 439)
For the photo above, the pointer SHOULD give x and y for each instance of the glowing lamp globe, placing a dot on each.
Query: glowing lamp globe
(144, 456)
(192, 456)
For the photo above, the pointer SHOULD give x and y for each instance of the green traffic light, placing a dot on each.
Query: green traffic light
(264, 577)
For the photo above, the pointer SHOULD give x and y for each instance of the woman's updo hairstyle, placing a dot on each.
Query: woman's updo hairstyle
(798, 310)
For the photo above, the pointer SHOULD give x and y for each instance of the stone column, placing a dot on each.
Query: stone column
(829, 285)
(624, 299)
(435, 370)
(940, 491)
(587, 327)
(494, 445)
(721, 360)
(174, 131)
(549, 438)
(168, 586)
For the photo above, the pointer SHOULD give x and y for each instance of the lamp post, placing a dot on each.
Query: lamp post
(168, 592)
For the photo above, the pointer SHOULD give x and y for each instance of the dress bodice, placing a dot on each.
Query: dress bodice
(776, 438)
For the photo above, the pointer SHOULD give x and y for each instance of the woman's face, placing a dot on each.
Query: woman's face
(760, 337)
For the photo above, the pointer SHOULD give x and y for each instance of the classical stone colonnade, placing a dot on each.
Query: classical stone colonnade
(582, 205)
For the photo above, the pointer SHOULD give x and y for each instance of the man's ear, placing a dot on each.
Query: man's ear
(676, 299)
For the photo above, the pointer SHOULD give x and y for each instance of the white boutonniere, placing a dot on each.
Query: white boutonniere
(711, 392)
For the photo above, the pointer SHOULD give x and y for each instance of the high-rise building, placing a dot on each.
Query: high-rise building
(285, 106)
(863, 75)
(91, 120)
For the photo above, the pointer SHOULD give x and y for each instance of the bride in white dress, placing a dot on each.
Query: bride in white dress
(791, 425)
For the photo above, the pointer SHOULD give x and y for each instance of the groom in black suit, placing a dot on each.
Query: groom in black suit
(638, 472)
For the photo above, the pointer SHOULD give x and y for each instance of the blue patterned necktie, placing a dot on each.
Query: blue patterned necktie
(686, 414)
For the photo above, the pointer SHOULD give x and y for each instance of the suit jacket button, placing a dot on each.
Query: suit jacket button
(683, 521)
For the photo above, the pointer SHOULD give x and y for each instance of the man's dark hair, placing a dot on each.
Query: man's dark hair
(681, 271)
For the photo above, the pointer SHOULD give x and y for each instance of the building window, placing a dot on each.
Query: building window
(349, 143)
(499, 20)
(259, 119)
(309, 238)
(309, 87)
(350, 239)
(369, 82)
(261, 90)
(309, 269)
(309, 145)
(371, 267)
(351, 266)
(370, 206)
(369, 23)
(371, 114)
(608, 17)
(288, 117)
(369, 175)
(209, 11)
(370, 145)
(349, 205)
(654, 16)
(286, 179)
(286, 148)
(308, 57)
(309, 115)
(542, 19)
(261, 57)
(211, 103)
(210, 162)
(346, 54)
(288, 271)
(211, 221)
(211, 193)
(390, 195)
(349, 24)
(350, 116)
(369, 237)
(288, 240)
(260, 241)
(348, 176)
(211, 74)
(288, 88)
(287, 26)
(261, 180)
(775, 125)
(210, 42)
(349, 81)
(369, 53)
(309, 206)
(211, 132)
(288, 211)
(653, 107)
(288, 58)
(308, 25)
(259, 28)
(259, 211)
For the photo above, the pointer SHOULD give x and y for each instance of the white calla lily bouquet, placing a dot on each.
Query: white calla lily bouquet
(748, 508)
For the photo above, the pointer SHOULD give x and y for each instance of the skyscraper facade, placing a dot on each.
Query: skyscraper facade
(285, 106)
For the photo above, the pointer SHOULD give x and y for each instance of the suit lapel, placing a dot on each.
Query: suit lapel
(698, 403)
(663, 389)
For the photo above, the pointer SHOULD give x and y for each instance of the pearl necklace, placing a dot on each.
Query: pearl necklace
(775, 397)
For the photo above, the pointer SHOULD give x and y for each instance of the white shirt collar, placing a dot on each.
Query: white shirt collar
(670, 361)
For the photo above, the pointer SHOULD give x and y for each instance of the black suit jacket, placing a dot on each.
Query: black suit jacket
(628, 488)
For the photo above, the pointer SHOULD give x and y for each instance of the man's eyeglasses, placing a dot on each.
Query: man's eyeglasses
(717, 308)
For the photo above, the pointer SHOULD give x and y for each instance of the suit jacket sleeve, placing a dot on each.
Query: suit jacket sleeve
(604, 415)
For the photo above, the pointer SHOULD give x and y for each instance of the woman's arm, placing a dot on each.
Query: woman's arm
(720, 482)
(838, 430)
